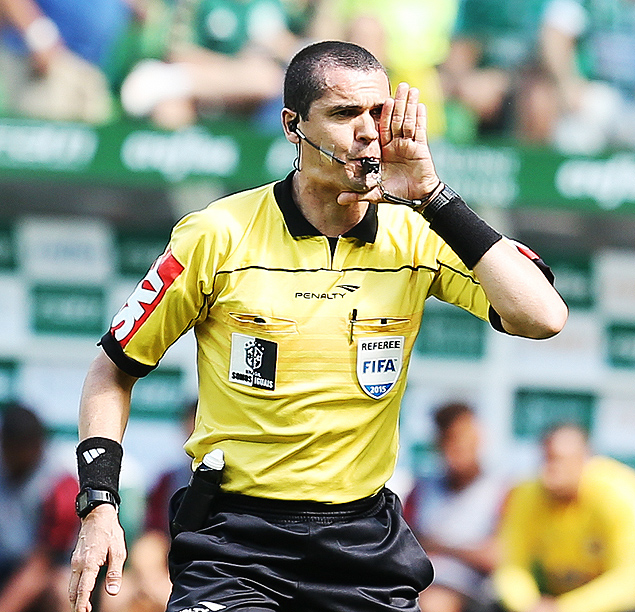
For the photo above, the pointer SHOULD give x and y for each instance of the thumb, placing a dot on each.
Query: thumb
(351, 197)
(115, 572)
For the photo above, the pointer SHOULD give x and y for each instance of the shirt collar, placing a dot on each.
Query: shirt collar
(299, 226)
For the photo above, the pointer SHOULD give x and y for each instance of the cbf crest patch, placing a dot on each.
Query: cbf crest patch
(379, 362)
(253, 362)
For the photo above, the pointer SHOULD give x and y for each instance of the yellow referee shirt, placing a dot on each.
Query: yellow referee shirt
(582, 553)
(302, 351)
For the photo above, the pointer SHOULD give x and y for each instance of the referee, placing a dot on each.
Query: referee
(305, 296)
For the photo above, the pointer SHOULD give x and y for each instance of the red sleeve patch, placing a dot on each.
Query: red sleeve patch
(525, 250)
(145, 298)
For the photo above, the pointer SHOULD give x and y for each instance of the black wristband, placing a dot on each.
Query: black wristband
(99, 464)
(462, 229)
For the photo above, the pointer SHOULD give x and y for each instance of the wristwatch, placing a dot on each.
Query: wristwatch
(88, 499)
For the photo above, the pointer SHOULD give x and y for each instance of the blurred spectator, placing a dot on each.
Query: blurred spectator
(221, 56)
(568, 538)
(588, 47)
(146, 585)
(55, 53)
(38, 525)
(454, 515)
(410, 37)
(491, 77)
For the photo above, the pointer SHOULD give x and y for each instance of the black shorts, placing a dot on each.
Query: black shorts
(285, 556)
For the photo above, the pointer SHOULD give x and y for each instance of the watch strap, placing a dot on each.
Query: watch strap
(88, 499)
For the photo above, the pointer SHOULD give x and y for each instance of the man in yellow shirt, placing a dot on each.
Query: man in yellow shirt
(305, 296)
(568, 538)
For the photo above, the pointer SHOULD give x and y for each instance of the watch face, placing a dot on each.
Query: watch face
(81, 503)
(89, 499)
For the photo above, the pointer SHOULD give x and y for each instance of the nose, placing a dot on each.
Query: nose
(368, 128)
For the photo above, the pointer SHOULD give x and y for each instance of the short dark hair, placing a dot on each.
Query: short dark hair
(21, 426)
(445, 415)
(304, 81)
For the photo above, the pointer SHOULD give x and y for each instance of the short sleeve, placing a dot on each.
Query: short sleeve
(172, 297)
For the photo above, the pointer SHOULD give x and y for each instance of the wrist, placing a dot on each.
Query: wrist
(98, 468)
(428, 196)
(469, 236)
(88, 500)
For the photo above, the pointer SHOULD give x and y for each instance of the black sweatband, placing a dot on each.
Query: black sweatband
(462, 229)
(99, 464)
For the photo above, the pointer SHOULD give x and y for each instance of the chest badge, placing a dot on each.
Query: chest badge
(253, 362)
(379, 362)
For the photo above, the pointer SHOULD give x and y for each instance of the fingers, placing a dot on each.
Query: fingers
(100, 542)
(402, 115)
(385, 133)
(421, 130)
(115, 571)
(399, 111)
(81, 586)
(409, 124)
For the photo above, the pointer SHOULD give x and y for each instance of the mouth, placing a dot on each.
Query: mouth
(367, 165)
(370, 165)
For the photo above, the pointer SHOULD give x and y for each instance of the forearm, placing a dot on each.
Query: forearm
(610, 592)
(21, 14)
(516, 588)
(558, 53)
(520, 293)
(105, 402)
(515, 286)
(483, 557)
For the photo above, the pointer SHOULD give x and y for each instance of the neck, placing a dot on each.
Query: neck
(319, 206)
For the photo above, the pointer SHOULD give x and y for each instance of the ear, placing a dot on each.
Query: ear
(290, 124)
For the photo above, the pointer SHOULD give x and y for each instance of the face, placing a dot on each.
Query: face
(565, 453)
(344, 121)
(460, 445)
(20, 460)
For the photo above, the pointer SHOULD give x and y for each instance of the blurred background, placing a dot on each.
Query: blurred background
(117, 117)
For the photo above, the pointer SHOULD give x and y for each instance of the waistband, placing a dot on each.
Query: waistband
(299, 510)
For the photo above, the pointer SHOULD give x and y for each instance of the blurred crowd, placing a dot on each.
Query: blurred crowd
(550, 72)
(560, 541)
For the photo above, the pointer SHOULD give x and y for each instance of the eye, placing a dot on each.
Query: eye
(346, 112)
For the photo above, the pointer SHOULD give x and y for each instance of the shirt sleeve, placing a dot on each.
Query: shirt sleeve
(456, 284)
(172, 297)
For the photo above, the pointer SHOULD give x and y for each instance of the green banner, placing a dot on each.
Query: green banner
(449, 332)
(535, 410)
(7, 248)
(575, 280)
(136, 251)
(236, 156)
(68, 310)
(8, 371)
(620, 338)
(159, 395)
